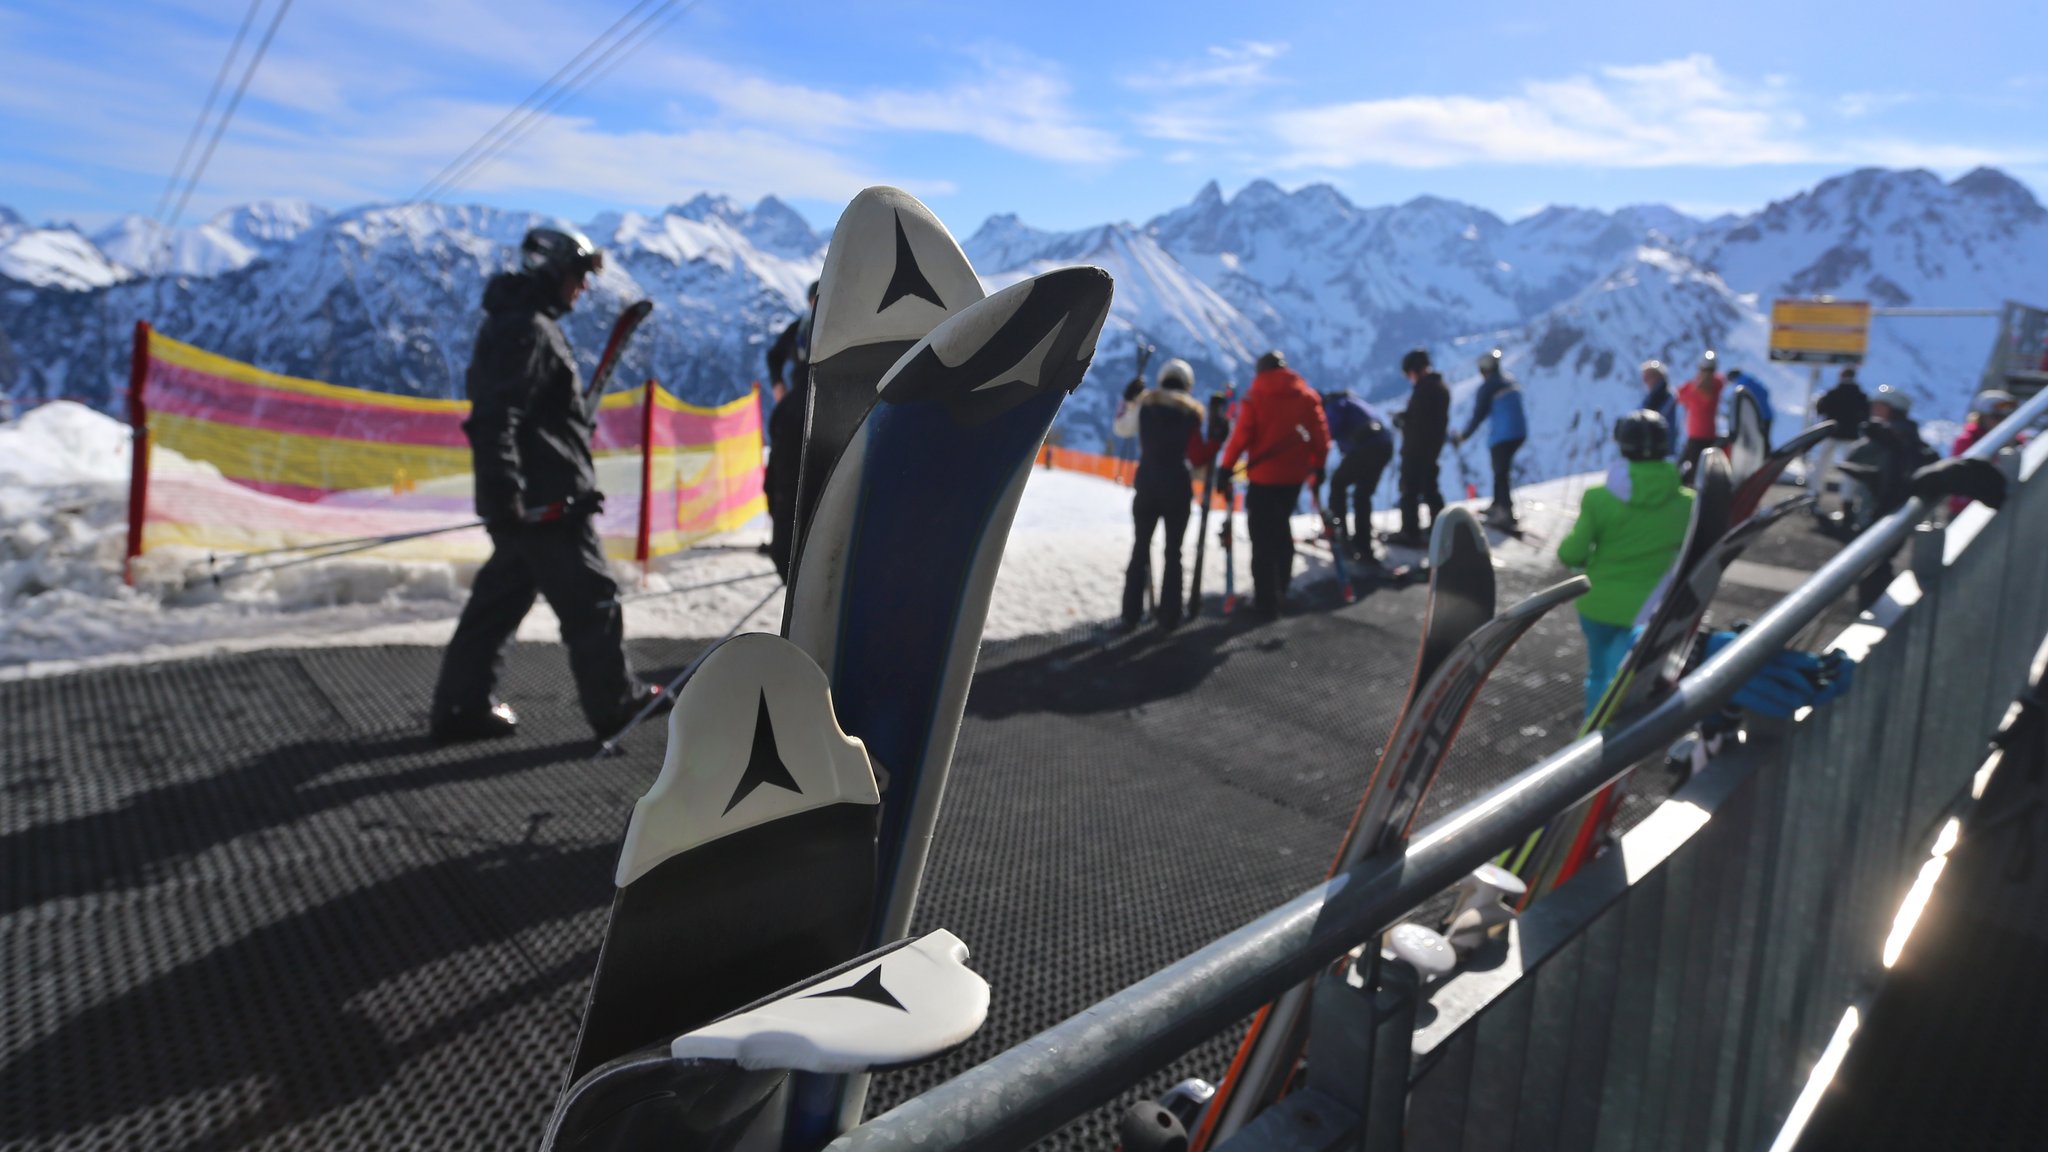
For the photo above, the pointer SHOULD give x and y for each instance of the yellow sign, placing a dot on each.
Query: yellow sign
(1820, 331)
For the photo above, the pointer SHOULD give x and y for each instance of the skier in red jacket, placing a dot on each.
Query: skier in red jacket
(1283, 438)
(1701, 399)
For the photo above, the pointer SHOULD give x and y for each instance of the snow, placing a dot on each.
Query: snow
(56, 258)
(63, 606)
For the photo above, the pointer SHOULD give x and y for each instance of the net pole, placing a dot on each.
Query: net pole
(138, 452)
(641, 547)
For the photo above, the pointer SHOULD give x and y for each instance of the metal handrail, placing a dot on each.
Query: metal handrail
(1022, 1094)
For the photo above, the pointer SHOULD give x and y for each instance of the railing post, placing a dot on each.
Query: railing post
(138, 450)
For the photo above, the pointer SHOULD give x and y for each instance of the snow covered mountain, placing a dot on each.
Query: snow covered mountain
(386, 297)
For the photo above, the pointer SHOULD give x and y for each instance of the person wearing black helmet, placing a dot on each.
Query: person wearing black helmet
(791, 354)
(1627, 535)
(1498, 405)
(1424, 424)
(529, 432)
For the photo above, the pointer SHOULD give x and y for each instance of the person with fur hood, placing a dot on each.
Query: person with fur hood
(1167, 422)
(1284, 439)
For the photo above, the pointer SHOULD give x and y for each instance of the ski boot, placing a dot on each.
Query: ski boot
(459, 725)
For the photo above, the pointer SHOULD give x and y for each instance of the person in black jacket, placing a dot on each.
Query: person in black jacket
(1424, 426)
(1168, 424)
(1849, 408)
(791, 352)
(536, 489)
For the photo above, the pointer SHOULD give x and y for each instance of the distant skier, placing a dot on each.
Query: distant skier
(536, 489)
(1498, 405)
(1423, 424)
(1755, 387)
(791, 352)
(1283, 438)
(1883, 462)
(1368, 446)
(1657, 397)
(1987, 411)
(1167, 422)
(1848, 407)
(1627, 536)
(1701, 399)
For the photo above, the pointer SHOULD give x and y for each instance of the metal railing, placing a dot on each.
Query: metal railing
(1022, 1094)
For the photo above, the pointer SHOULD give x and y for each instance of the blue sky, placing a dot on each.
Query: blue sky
(1066, 113)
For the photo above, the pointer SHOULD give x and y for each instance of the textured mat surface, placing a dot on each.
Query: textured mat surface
(245, 904)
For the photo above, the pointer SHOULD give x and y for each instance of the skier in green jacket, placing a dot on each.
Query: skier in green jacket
(1627, 536)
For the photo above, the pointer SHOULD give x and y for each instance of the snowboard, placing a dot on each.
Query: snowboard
(762, 802)
(707, 1088)
(892, 273)
(907, 536)
(615, 345)
(1461, 601)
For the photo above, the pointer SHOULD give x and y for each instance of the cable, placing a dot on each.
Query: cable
(597, 69)
(228, 113)
(539, 93)
(163, 202)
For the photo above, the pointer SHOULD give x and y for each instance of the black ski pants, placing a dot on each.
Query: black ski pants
(1419, 486)
(1359, 471)
(563, 562)
(1503, 455)
(1148, 511)
(1689, 459)
(1266, 509)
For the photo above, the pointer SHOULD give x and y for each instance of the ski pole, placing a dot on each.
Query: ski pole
(331, 550)
(213, 558)
(638, 596)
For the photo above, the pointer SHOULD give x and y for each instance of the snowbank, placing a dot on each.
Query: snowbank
(63, 528)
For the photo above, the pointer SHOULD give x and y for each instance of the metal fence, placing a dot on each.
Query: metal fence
(1673, 995)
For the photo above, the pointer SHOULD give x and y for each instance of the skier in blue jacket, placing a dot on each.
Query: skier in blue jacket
(1499, 407)
(1368, 447)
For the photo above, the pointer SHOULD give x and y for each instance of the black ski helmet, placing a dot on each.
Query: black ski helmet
(1490, 361)
(559, 255)
(1272, 360)
(1415, 361)
(1643, 435)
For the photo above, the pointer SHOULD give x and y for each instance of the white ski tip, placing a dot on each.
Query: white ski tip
(891, 273)
(752, 739)
(1420, 948)
(909, 1005)
(1036, 335)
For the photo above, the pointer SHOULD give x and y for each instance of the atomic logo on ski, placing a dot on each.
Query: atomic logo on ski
(868, 988)
(764, 763)
(908, 279)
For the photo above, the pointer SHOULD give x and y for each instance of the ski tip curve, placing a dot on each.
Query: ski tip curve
(892, 272)
(910, 1004)
(1038, 335)
(752, 738)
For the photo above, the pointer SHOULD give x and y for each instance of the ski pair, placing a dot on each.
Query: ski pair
(1227, 398)
(1725, 521)
(928, 404)
(1462, 643)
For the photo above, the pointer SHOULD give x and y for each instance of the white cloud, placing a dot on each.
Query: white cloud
(1856, 105)
(1241, 65)
(1682, 112)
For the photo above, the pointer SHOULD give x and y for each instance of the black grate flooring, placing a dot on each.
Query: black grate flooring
(245, 904)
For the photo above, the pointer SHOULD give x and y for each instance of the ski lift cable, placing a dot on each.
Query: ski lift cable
(532, 98)
(596, 70)
(220, 78)
(228, 114)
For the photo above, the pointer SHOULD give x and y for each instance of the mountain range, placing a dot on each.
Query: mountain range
(386, 297)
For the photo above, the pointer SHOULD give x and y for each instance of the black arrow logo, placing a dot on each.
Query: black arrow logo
(764, 763)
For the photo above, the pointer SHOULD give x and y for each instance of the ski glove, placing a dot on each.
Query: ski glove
(1791, 681)
(1978, 480)
(1133, 389)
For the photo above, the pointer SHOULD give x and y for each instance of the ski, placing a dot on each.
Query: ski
(1461, 601)
(622, 331)
(1333, 533)
(901, 1004)
(1208, 498)
(1750, 493)
(762, 802)
(892, 274)
(906, 538)
(1748, 444)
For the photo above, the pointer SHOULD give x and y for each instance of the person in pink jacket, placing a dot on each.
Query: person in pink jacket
(1701, 399)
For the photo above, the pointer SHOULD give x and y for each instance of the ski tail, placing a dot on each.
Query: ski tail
(1460, 602)
(615, 346)
(1750, 492)
(1335, 536)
